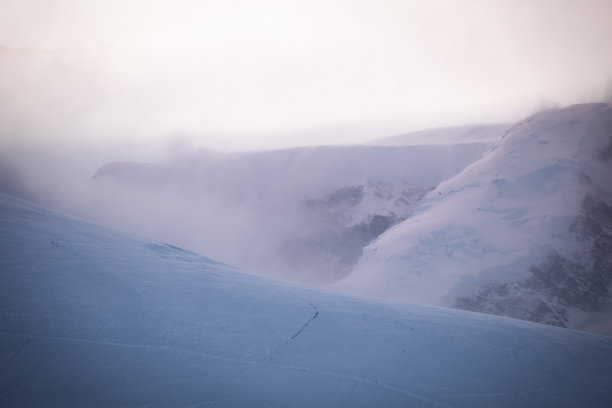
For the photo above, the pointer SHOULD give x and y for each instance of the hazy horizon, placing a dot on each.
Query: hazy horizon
(273, 74)
(84, 83)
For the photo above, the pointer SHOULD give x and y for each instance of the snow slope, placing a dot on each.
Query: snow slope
(91, 317)
(526, 231)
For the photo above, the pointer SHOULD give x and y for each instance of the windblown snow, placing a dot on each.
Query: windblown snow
(92, 317)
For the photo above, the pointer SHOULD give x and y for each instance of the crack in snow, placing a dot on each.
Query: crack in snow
(316, 314)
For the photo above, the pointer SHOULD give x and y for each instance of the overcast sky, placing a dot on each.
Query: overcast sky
(239, 74)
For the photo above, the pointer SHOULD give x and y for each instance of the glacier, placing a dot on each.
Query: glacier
(94, 317)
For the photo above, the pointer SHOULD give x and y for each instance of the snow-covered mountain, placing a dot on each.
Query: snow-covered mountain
(91, 317)
(525, 231)
(309, 211)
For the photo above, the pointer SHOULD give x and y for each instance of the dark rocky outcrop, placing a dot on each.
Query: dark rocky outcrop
(558, 284)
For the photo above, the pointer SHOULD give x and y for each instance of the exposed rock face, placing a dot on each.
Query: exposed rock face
(342, 223)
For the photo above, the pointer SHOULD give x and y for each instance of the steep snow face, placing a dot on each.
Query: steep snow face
(526, 231)
(304, 214)
(90, 317)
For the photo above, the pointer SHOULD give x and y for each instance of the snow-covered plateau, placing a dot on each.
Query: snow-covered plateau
(92, 317)
(525, 231)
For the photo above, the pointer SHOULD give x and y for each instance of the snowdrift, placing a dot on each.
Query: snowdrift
(91, 317)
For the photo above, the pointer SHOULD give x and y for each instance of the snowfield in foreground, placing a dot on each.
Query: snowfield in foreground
(90, 317)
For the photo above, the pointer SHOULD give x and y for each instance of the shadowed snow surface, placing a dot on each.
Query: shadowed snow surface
(90, 317)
